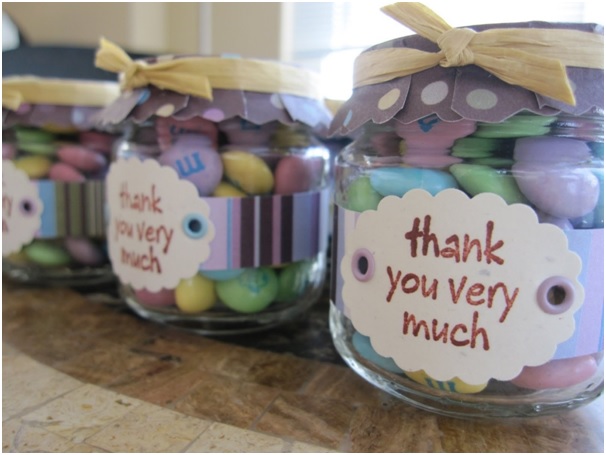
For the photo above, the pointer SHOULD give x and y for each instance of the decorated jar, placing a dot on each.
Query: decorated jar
(218, 195)
(468, 237)
(54, 161)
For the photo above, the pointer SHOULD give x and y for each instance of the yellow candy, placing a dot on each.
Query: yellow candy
(224, 189)
(453, 385)
(247, 171)
(195, 294)
(36, 167)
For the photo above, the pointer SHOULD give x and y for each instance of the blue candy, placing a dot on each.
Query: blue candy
(396, 181)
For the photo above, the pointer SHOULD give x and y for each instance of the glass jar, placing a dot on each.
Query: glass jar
(468, 273)
(218, 212)
(54, 161)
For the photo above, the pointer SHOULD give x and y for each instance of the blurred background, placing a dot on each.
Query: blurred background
(323, 36)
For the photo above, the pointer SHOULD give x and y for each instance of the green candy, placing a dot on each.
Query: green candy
(293, 280)
(475, 147)
(250, 292)
(361, 195)
(516, 126)
(35, 141)
(47, 254)
(476, 179)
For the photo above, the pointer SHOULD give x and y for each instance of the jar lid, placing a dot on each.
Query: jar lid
(214, 88)
(483, 73)
(37, 101)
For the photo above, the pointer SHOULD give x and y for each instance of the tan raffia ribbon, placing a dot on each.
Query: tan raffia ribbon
(535, 59)
(198, 76)
(61, 92)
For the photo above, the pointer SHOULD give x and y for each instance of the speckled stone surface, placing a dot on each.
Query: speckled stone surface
(81, 373)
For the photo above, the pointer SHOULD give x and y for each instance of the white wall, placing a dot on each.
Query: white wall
(252, 29)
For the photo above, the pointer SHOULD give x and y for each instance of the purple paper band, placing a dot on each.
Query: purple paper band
(267, 230)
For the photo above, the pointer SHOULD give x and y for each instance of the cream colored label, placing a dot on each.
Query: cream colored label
(21, 209)
(460, 287)
(159, 229)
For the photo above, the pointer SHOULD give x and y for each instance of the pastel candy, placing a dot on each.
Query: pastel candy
(293, 175)
(195, 294)
(475, 147)
(557, 374)
(551, 150)
(397, 181)
(521, 125)
(48, 254)
(476, 179)
(293, 280)
(81, 158)
(598, 213)
(452, 385)
(224, 189)
(84, 251)
(97, 140)
(361, 195)
(362, 344)
(433, 133)
(221, 275)
(429, 160)
(194, 159)
(163, 297)
(252, 291)
(561, 191)
(169, 129)
(36, 167)
(35, 141)
(63, 172)
(247, 171)
(562, 223)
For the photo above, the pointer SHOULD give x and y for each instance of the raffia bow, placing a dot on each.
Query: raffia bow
(11, 99)
(535, 59)
(197, 76)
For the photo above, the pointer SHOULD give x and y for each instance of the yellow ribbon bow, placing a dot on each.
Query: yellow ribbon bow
(535, 59)
(11, 99)
(197, 76)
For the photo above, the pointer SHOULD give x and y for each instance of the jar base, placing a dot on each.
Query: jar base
(219, 323)
(61, 277)
(495, 402)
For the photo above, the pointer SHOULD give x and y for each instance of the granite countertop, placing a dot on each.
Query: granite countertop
(82, 373)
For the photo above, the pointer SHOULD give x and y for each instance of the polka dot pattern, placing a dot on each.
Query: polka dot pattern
(466, 92)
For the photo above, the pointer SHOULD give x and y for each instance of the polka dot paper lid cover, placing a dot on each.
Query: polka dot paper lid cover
(447, 78)
(214, 88)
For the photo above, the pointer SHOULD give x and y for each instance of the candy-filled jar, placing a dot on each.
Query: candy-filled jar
(218, 201)
(468, 237)
(54, 160)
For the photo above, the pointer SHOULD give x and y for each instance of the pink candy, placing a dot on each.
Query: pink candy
(557, 374)
(62, 172)
(84, 251)
(82, 158)
(164, 297)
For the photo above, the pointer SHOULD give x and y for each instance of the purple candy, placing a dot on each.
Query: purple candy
(559, 191)
(547, 150)
(195, 159)
(84, 251)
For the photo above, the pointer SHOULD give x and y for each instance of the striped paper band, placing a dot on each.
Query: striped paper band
(72, 209)
(267, 230)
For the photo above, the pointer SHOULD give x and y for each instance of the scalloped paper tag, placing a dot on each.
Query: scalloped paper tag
(21, 209)
(159, 230)
(460, 287)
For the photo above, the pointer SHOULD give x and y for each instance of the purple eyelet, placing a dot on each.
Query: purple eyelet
(28, 207)
(363, 264)
(555, 295)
